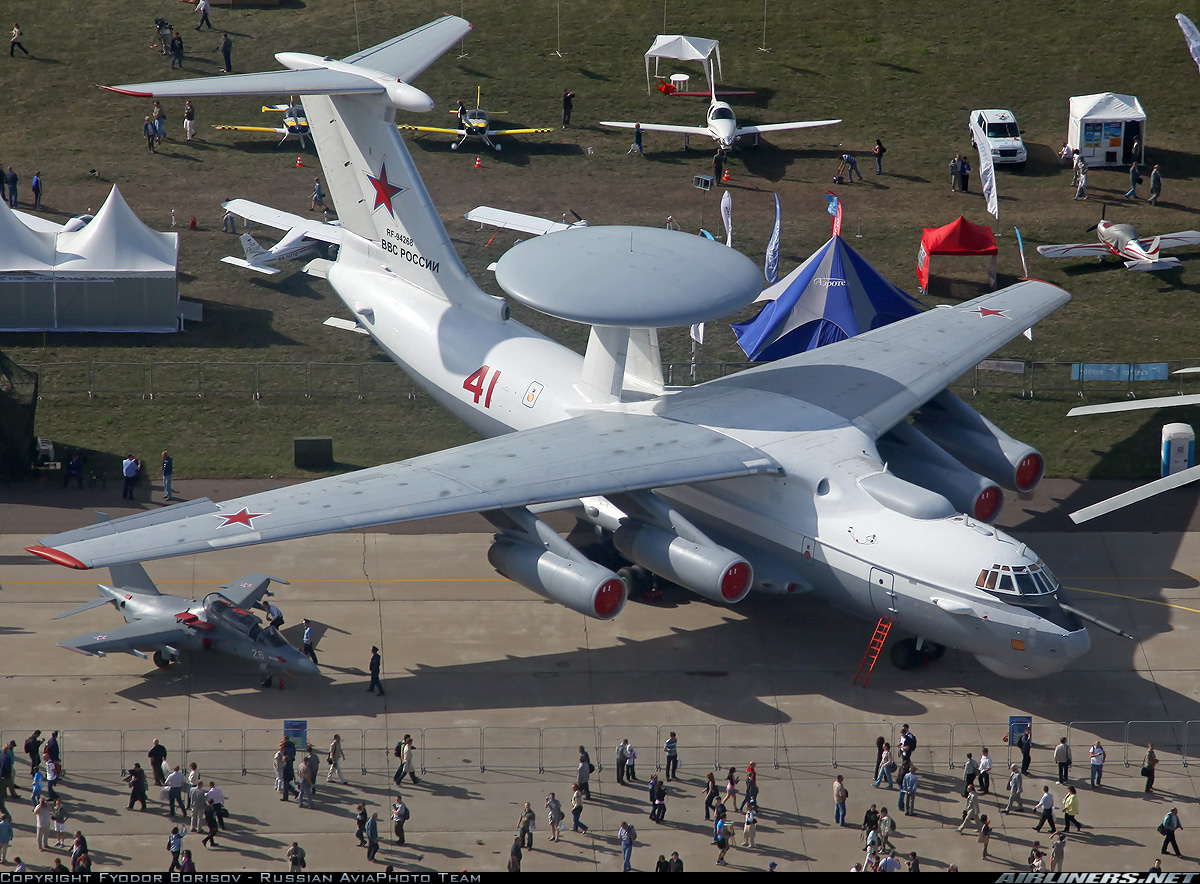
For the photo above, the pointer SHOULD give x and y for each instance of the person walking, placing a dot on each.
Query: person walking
(360, 825)
(137, 785)
(43, 814)
(295, 855)
(15, 43)
(372, 833)
(887, 825)
(1155, 186)
(1134, 178)
(711, 794)
(878, 150)
(750, 828)
(721, 839)
(1167, 828)
(189, 126)
(964, 174)
(226, 48)
(840, 794)
(196, 805)
(970, 772)
(1149, 762)
(1070, 809)
(584, 773)
(985, 834)
(568, 105)
(217, 797)
(202, 7)
(309, 651)
(636, 147)
(514, 855)
(304, 790)
(622, 761)
(374, 667)
(1058, 848)
(33, 748)
(408, 765)
(334, 759)
(1025, 744)
(718, 165)
(908, 789)
(149, 132)
(174, 847)
(626, 835)
(400, 816)
(6, 836)
(176, 50)
(671, 750)
(175, 782)
(212, 821)
(886, 767)
(1062, 757)
(52, 771)
(970, 812)
(36, 186)
(1096, 756)
(318, 196)
(1081, 184)
(577, 809)
(659, 811)
(525, 824)
(554, 815)
(985, 772)
(288, 775)
(1045, 807)
(731, 784)
(1016, 784)
(751, 786)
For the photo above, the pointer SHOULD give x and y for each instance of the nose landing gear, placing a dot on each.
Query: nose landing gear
(910, 653)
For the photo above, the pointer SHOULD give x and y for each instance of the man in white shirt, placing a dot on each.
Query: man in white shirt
(203, 7)
(1045, 807)
(217, 797)
(985, 772)
(175, 783)
(1096, 758)
(129, 469)
(889, 863)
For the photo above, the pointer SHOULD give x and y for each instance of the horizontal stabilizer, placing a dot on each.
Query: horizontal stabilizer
(94, 603)
(1136, 495)
(1151, 266)
(257, 268)
(1136, 405)
(345, 325)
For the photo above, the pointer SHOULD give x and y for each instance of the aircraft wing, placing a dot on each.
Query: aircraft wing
(316, 81)
(507, 220)
(1074, 250)
(140, 635)
(278, 130)
(876, 379)
(246, 592)
(281, 220)
(429, 129)
(1172, 240)
(781, 127)
(409, 54)
(519, 131)
(599, 453)
(658, 127)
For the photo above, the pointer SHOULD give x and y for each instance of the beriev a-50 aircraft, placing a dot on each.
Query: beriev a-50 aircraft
(721, 125)
(768, 479)
(166, 624)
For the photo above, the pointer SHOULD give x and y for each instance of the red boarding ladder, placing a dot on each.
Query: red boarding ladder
(874, 649)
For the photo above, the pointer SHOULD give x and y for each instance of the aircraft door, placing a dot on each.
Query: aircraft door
(1131, 142)
(883, 592)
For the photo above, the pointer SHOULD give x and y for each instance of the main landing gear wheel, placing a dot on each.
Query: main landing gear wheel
(161, 660)
(638, 579)
(905, 654)
(934, 651)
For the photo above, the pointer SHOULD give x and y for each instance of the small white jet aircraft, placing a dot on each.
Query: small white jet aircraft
(1122, 241)
(721, 126)
(302, 238)
(165, 624)
(476, 123)
(768, 479)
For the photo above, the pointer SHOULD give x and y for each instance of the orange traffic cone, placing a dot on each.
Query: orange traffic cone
(478, 162)
(726, 178)
(299, 161)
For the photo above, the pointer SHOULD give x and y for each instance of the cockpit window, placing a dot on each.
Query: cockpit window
(1026, 585)
(1006, 583)
(1020, 579)
(722, 113)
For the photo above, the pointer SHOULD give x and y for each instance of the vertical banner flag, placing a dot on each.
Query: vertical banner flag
(727, 217)
(834, 206)
(1191, 35)
(771, 263)
(987, 172)
(698, 333)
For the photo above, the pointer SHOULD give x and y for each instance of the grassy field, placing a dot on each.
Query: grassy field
(905, 73)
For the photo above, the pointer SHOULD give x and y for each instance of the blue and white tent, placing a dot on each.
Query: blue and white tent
(833, 295)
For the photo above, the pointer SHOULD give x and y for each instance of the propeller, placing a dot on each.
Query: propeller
(1103, 209)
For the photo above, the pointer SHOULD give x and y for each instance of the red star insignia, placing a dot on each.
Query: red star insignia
(384, 190)
(243, 517)
(100, 638)
(984, 311)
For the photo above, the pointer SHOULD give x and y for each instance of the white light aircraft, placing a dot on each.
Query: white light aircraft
(1122, 241)
(721, 125)
(302, 238)
(767, 479)
(476, 123)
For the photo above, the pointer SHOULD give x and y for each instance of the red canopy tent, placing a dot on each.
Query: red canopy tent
(959, 237)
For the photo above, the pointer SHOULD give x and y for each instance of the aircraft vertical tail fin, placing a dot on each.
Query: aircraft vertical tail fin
(1154, 247)
(132, 577)
(254, 252)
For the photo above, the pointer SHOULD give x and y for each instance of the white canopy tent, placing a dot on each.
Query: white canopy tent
(1107, 129)
(682, 48)
(116, 274)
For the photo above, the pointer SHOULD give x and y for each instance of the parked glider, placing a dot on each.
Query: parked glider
(295, 123)
(302, 238)
(476, 123)
(767, 479)
(1122, 241)
(721, 126)
(163, 625)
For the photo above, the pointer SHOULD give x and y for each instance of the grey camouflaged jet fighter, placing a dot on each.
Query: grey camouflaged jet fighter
(167, 624)
(770, 479)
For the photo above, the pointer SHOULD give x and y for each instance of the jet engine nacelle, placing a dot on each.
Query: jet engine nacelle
(979, 444)
(583, 586)
(914, 458)
(708, 569)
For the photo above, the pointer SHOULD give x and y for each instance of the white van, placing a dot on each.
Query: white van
(1002, 133)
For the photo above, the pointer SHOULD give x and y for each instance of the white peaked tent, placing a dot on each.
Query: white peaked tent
(1106, 128)
(684, 49)
(114, 275)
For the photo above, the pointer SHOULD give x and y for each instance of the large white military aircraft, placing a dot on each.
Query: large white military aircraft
(768, 479)
(1121, 240)
(721, 125)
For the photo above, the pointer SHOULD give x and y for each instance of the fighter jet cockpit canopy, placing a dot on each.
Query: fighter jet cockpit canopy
(1023, 580)
(221, 610)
